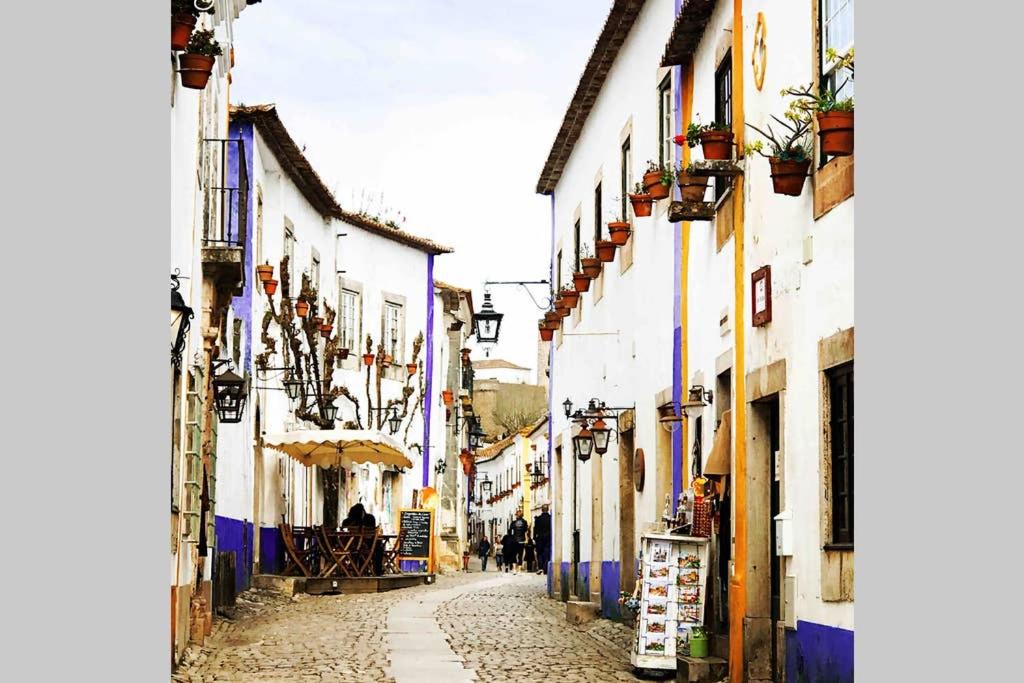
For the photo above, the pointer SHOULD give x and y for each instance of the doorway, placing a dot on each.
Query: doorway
(627, 512)
(764, 609)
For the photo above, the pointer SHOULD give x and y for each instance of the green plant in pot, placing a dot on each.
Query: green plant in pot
(590, 264)
(790, 154)
(184, 16)
(698, 642)
(833, 113)
(618, 227)
(641, 201)
(569, 295)
(658, 180)
(196, 63)
(715, 139)
(691, 185)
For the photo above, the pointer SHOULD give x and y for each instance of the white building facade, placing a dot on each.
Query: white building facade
(375, 292)
(208, 269)
(673, 311)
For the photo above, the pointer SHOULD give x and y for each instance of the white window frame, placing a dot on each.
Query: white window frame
(289, 251)
(392, 331)
(840, 10)
(314, 267)
(348, 325)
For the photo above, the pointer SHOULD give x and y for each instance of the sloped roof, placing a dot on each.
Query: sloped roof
(294, 163)
(687, 31)
(496, 364)
(496, 448)
(620, 20)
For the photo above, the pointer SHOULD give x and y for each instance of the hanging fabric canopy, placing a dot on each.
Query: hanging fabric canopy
(339, 447)
(720, 460)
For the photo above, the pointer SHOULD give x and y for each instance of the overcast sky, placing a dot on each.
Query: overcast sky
(448, 107)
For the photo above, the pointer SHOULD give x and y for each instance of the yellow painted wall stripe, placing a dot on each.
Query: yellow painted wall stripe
(684, 289)
(738, 583)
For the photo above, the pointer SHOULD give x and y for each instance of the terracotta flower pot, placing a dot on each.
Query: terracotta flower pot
(788, 176)
(411, 368)
(546, 334)
(325, 331)
(679, 140)
(552, 316)
(368, 359)
(835, 128)
(447, 397)
(591, 267)
(581, 282)
(265, 272)
(270, 286)
(387, 360)
(605, 250)
(716, 144)
(181, 30)
(301, 308)
(571, 297)
(343, 353)
(562, 310)
(692, 187)
(195, 70)
(642, 204)
(619, 231)
(654, 186)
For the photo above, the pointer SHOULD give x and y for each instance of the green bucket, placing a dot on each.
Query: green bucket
(698, 645)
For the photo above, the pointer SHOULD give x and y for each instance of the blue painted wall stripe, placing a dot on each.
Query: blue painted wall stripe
(677, 337)
(428, 398)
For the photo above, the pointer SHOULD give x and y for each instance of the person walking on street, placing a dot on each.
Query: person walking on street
(508, 550)
(519, 530)
(482, 551)
(542, 535)
(497, 553)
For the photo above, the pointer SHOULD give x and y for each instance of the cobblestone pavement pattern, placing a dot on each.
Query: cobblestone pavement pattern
(499, 627)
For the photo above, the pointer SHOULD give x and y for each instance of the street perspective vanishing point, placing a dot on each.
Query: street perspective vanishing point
(512, 341)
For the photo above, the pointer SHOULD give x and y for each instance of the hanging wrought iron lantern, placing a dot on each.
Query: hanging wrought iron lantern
(181, 315)
(476, 435)
(568, 407)
(394, 421)
(292, 387)
(486, 484)
(487, 323)
(699, 399)
(601, 434)
(583, 444)
(229, 394)
(331, 412)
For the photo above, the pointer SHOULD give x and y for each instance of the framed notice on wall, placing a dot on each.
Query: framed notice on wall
(761, 296)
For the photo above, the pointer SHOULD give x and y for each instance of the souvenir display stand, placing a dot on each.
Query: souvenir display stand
(673, 576)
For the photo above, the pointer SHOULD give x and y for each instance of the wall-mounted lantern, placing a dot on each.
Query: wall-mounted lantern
(181, 315)
(229, 395)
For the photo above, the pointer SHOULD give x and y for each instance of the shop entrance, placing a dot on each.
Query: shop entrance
(765, 502)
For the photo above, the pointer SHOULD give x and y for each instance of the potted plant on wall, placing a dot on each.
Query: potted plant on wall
(605, 250)
(184, 16)
(569, 295)
(691, 186)
(715, 139)
(581, 281)
(196, 63)
(658, 181)
(641, 201)
(590, 264)
(790, 155)
(546, 334)
(618, 228)
(834, 115)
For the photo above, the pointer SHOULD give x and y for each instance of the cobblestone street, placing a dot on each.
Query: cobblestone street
(473, 626)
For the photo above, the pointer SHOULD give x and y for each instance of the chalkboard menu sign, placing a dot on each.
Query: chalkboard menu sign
(415, 534)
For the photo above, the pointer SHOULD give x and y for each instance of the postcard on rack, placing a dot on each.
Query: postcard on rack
(689, 594)
(657, 590)
(690, 614)
(653, 645)
(658, 573)
(657, 608)
(689, 559)
(689, 577)
(659, 552)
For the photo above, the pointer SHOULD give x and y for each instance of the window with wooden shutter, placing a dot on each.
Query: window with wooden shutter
(191, 504)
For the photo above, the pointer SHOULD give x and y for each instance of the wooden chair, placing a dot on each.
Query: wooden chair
(390, 556)
(368, 544)
(338, 553)
(298, 559)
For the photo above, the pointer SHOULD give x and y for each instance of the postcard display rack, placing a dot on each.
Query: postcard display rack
(673, 576)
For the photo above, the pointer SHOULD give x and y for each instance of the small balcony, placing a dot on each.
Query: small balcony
(225, 213)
